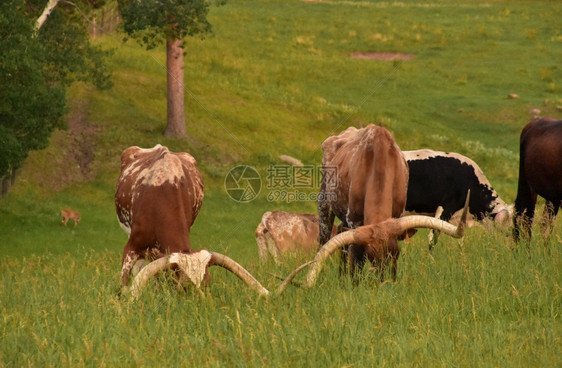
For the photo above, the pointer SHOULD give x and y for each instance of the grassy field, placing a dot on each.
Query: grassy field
(276, 78)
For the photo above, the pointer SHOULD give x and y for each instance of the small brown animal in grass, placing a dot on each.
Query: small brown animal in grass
(70, 215)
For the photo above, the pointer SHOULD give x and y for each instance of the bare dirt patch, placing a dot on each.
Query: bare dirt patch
(68, 159)
(385, 56)
(82, 139)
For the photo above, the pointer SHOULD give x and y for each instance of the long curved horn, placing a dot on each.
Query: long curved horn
(231, 265)
(337, 242)
(290, 278)
(148, 272)
(411, 222)
(417, 221)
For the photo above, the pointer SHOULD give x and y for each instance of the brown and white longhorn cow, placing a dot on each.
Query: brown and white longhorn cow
(540, 173)
(158, 196)
(280, 233)
(364, 183)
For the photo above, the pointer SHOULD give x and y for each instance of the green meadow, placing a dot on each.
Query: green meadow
(276, 78)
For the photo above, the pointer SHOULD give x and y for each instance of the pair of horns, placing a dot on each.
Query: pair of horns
(195, 264)
(383, 231)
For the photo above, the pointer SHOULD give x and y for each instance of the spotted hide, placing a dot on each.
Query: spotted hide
(158, 196)
(280, 233)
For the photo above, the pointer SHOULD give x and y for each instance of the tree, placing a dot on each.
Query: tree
(152, 22)
(35, 70)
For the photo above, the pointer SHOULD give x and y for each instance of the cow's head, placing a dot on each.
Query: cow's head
(194, 267)
(379, 234)
(504, 214)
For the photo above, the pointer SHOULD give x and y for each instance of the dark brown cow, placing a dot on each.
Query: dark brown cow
(159, 194)
(540, 173)
(364, 183)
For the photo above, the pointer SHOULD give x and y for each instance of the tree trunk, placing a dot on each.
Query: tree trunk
(102, 22)
(13, 177)
(46, 12)
(95, 24)
(174, 63)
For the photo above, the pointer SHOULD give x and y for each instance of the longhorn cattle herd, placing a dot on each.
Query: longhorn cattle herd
(376, 188)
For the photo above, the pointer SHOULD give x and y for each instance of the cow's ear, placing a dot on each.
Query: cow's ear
(128, 156)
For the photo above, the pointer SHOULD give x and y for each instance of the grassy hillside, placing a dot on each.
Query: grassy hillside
(276, 77)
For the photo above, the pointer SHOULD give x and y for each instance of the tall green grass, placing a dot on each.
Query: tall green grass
(276, 78)
(473, 303)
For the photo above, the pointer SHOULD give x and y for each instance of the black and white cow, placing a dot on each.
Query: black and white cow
(442, 179)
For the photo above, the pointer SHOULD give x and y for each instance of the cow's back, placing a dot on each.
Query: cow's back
(372, 175)
(158, 196)
(293, 231)
(541, 157)
(443, 179)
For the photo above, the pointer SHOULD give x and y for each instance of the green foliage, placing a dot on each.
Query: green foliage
(152, 22)
(69, 55)
(35, 70)
(30, 106)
